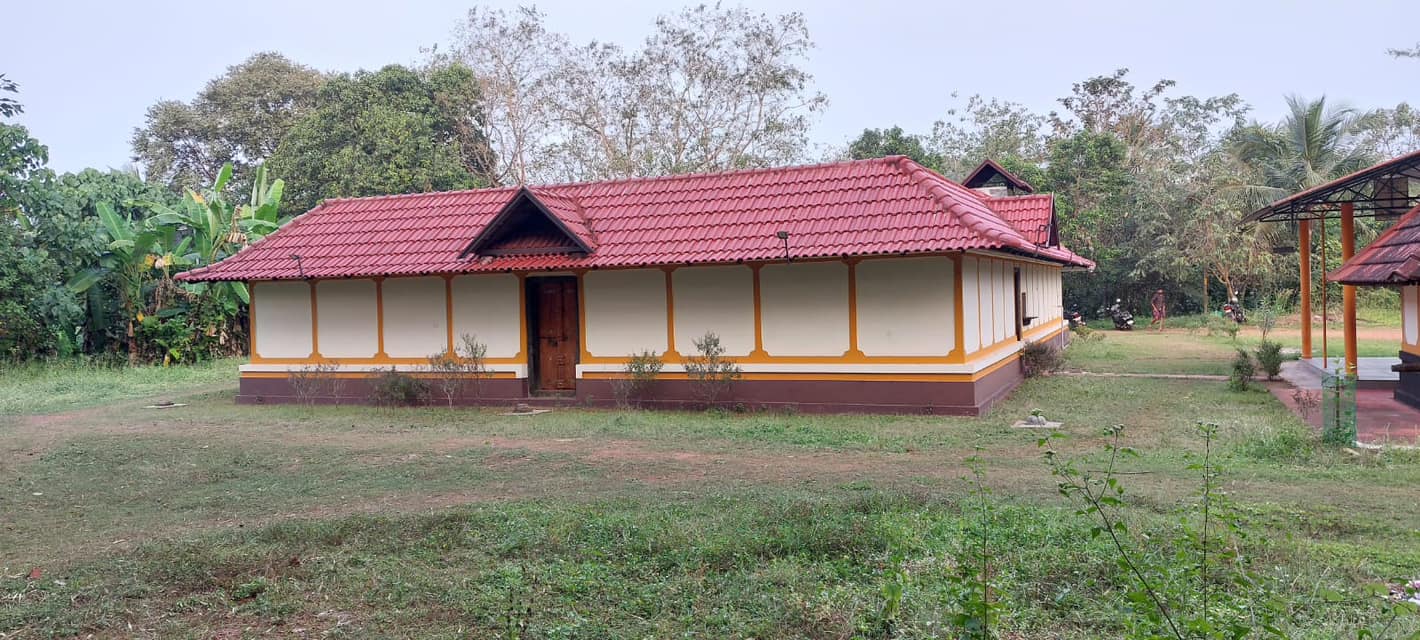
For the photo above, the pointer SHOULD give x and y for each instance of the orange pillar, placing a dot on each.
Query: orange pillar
(1348, 292)
(1304, 251)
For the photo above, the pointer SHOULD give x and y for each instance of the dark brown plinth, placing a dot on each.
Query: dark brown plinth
(810, 396)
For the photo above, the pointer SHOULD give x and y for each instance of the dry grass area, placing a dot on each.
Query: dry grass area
(218, 520)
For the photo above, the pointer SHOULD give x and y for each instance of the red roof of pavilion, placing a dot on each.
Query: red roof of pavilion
(1394, 258)
(883, 206)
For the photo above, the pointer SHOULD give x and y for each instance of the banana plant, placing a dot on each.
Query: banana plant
(132, 254)
(215, 228)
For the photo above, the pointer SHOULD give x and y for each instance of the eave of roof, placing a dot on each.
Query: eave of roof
(1394, 257)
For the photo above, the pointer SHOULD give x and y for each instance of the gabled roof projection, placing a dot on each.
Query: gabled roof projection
(1394, 258)
(883, 206)
(534, 223)
(989, 173)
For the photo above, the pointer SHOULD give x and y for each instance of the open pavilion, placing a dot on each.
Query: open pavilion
(1383, 191)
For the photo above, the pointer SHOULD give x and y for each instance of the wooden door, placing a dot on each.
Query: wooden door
(556, 333)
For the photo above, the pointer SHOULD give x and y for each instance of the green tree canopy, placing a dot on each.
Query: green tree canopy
(240, 117)
(893, 141)
(396, 130)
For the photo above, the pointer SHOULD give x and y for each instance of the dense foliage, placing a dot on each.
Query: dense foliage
(1152, 185)
(395, 130)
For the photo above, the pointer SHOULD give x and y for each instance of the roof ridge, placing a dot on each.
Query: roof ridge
(1006, 234)
(665, 178)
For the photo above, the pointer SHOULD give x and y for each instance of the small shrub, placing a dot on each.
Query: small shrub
(1243, 372)
(453, 371)
(447, 374)
(395, 389)
(710, 372)
(1040, 358)
(315, 381)
(1307, 402)
(1084, 333)
(1286, 443)
(641, 370)
(1269, 357)
(1223, 325)
(474, 355)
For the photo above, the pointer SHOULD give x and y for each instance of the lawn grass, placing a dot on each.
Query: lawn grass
(225, 520)
(1194, 352)
(33, 388)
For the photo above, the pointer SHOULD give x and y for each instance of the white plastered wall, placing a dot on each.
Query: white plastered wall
(989, 297)
(906, 307)
(347, 319)
(1409, 314)
(625, 311)
(804, 308)
(971, 305)
(416, 317)
(718, 299)
(486, 307)
(282, 313)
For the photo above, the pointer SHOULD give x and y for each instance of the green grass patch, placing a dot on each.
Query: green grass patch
(1194, 353)
(746, 564)
(219, 520)
(36, 388)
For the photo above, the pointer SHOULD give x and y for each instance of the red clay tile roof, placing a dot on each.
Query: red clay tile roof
(1033, 215)
(883, 206)
(1394, 258)
(566, 210)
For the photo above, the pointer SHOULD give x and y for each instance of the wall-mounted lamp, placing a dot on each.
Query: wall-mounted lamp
(784, 235)
(299, 268)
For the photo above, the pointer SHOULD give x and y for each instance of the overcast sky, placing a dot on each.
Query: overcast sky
(89, 70)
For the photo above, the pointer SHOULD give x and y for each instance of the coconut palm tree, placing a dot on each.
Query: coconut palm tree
(1311, 146)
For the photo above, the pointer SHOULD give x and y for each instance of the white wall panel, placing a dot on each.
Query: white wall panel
(626, 311)
(906, 307)
(1409, 314)
(487, 307)
(283, 319)
(804, 308)
(347, 318)
(971, 305)
(718, 299)
(416, 317)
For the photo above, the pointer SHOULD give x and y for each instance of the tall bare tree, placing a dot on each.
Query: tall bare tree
(514, 57)
(710, 89)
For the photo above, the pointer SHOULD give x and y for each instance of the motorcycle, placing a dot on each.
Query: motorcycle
(1074, 317)
(1233, 310)
(1123, 320)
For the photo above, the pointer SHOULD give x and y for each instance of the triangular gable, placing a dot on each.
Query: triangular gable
(988, 173)
(534, 222)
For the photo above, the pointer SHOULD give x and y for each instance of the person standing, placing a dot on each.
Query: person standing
(1160, 309)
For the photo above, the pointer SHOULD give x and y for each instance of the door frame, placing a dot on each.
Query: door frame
(532, 299)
